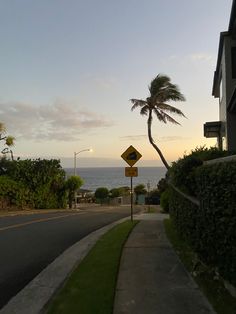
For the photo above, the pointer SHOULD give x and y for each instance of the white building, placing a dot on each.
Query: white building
(224, 88)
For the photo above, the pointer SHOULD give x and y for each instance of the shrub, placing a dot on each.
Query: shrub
(162, 185)
(116, 192)
(211, 227)
(101, 194)
(12, 193)
(182, 172)
(42, 179)
(165, 200)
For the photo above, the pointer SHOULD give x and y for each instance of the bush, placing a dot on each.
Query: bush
(162, 185)
(182, 172)
(165, 200)
(211, 227)
(101, 194)
(12, 193)
(116, 192)
(42, 180)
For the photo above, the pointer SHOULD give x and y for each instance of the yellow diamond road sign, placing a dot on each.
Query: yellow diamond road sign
(131, 155)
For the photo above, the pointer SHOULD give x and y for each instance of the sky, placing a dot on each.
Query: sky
(68, 69)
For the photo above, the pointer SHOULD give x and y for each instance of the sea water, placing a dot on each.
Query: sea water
(110, 177)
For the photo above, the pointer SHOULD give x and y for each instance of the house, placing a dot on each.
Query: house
(84, 196)
(224, 88)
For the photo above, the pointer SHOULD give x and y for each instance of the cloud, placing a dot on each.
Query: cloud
(58, 121)
(205, 57)
(158, 139)
(195, 57)
(172, 138)
(133, 137)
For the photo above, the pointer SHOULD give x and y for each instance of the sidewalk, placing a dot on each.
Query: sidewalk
(152, 279)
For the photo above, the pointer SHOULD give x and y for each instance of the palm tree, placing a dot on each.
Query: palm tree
(9, 140)
(161, 91)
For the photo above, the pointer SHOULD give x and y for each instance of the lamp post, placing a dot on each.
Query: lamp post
(76, 153)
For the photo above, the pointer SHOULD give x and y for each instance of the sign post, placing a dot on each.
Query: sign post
(131, 156)
(131, 172)
(131, 199)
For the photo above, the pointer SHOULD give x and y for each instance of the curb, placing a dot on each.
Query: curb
(34, 298)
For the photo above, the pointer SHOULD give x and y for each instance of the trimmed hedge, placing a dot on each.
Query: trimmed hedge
(210, 228)
(182, 171)
(165, 200)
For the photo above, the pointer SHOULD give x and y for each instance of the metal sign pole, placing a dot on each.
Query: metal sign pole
(131, 156)
(131, 198)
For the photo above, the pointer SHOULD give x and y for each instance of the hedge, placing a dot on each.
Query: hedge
(38, 183)
(12, 193)
(210, 228)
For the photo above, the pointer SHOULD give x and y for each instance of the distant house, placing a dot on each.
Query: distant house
(84, 196)
(224, 88)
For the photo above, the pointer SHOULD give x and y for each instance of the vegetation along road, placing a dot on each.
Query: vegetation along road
(28, 243)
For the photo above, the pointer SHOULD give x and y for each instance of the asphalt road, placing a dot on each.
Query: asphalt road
(28, 243)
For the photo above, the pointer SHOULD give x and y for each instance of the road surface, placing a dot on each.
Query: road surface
(28, 243)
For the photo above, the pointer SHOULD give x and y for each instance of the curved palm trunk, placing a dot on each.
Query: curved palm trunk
(149, 123)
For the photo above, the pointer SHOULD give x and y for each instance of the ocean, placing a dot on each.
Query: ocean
(115, 177)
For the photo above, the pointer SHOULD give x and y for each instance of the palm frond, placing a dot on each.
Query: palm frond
(171, 109)
(137, 103)
(2, 128)
(169, 93)
(159, 115)
(10, 140)
(159, 82)
(144, 110)
(168, 118)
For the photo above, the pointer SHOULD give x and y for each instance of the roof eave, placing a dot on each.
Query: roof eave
(232, 20)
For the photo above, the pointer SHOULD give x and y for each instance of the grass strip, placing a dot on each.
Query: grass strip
(211, 285)
(91, 287)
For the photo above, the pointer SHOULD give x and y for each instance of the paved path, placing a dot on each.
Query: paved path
(152, 279)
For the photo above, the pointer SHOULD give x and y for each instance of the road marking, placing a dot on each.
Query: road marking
(35, 221)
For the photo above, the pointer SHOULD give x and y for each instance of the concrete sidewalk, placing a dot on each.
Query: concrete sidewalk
(152, 279)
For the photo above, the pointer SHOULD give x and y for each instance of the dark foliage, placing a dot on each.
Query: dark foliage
(101, 194)
(182, 172)
(165, 200)
(41, 180)
(211, 227)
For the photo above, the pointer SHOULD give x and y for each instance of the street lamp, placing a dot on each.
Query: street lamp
(76, 153)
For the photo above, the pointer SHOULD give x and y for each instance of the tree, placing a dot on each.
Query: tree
(140, 189)
(162, 185)
(72, 185)
(9, 140)
(115, 193)
(43, 181)
(101, 194)
(161, 92)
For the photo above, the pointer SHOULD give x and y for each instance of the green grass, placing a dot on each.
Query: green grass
(91, 287)
(204, 276)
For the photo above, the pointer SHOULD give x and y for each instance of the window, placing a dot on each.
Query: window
(233, 58)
